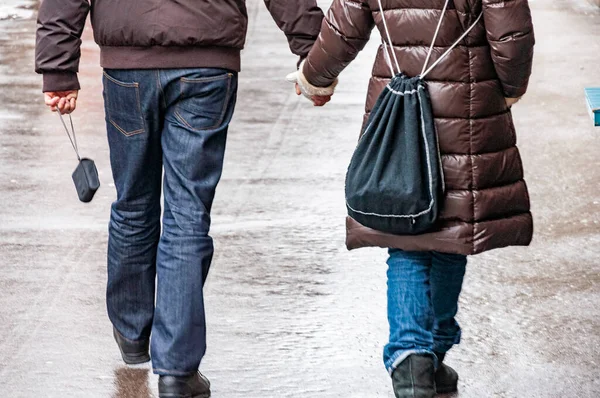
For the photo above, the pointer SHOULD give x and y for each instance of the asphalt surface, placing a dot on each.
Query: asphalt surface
(291, 313)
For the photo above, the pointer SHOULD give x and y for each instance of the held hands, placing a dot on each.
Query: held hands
(318, 95)
(317, 100)
(64, 101)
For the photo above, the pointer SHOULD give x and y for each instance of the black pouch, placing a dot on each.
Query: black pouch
(86, 179)
(85, 175)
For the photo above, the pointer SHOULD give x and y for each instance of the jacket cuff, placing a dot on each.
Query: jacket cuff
(60, 81)
(310, 90)
(514, 91)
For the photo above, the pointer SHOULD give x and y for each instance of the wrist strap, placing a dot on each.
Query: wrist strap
(72, 139)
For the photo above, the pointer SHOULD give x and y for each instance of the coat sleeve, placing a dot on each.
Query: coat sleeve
(58, 40)
(510, 34)
(345, 32)
(300, 20)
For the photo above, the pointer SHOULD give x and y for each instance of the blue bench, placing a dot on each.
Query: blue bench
(593, 102)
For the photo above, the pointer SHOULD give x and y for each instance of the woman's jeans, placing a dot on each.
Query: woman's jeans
(167, 130)
(423, 290)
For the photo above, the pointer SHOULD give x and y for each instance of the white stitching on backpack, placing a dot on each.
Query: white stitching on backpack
(429, 172)
(401, 93)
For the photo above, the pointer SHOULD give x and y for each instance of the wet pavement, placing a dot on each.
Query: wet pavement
(291, 313)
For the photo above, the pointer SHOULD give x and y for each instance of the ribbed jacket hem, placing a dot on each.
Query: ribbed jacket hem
(163, 57)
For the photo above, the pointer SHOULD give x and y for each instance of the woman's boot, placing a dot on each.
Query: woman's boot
(446, 378)
(414, 377)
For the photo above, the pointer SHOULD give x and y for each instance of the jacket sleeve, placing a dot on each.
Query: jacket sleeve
(300, 20)
(510, 34)
(58, 41)
(345, 32)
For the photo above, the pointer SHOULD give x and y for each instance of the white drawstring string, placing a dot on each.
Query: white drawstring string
(391, 44)
(387, 58)
(456, 43)
(437, 31)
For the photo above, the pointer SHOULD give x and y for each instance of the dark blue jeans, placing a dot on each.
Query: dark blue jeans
(174, 121)
(423, 291)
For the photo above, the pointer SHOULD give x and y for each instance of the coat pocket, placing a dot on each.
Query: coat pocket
(203, 101)
(122, 105)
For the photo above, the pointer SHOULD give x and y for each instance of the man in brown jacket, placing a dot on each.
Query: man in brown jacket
(170, 84)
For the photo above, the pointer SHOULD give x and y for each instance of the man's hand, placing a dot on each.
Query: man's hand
(64, 101)
(511, 101)
(318, 100)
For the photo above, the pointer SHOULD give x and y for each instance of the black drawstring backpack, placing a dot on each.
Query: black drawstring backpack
(395, 180)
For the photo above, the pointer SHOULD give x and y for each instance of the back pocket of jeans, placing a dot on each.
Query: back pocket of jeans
(203, 101)
(123, 107)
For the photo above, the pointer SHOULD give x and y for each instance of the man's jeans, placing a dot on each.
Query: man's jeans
(423, 290)
(175, 119)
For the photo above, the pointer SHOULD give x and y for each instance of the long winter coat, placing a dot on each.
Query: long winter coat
(487, 203)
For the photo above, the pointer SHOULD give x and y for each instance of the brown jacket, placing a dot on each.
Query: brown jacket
(149, 34)
(487, 203)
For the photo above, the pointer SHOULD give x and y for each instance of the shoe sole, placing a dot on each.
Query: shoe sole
(183, 396)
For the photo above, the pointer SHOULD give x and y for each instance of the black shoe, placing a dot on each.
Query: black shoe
(194, 386)
(133, 352)
(414, 377)
(446, 378)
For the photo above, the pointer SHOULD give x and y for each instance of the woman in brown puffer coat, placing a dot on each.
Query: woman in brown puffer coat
(486, 203)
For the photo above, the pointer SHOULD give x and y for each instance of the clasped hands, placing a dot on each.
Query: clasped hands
(318, 95)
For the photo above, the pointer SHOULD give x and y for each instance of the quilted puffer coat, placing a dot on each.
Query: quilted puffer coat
(486, 204)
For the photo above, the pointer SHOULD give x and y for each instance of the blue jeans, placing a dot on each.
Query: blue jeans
(423, 290)
(175, 121)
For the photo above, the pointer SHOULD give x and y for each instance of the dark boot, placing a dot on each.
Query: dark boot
(414, 377)
(446, 378)
(133, 352)
(194, 386)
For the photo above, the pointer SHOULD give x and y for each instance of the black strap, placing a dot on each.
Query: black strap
(74, 139)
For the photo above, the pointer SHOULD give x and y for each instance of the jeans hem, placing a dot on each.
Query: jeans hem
(445, 347)
(176, 373)
(399, 357)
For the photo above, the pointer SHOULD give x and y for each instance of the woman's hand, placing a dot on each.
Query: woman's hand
(318, 95)
(318, 100)
(64, 101)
